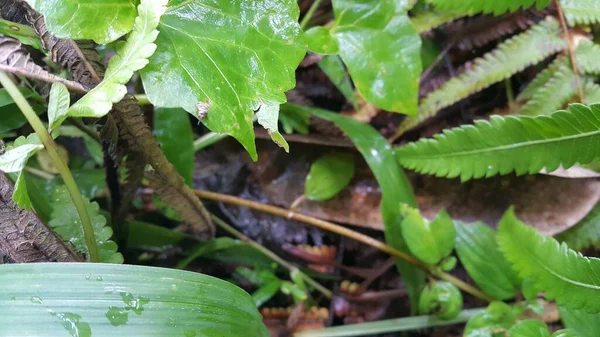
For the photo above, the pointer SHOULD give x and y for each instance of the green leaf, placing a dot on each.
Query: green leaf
(395, 188)
(478, 252)
(505, 144)
(329, 175)
(557, 91)
(130, 57)
(586, 57)
(12, 117)
(529, 328)
(585, 234)
(428, 241)
(174, 134)
(382, 51)
(334, 68)
(497, 7)
(441, 298)
(431, 19)
(295, 120)
(226, 57)
(268, 116)
(101, 21)
(581, 12)
(320, 41)
(266, 292)
(66, 222)
(509, 58)
(565, 333)
(58, 106)
(563, 274)
(492, 322)
(541, 79)
(23, 33)
(583, 323)
(85, 299)
(14, 160)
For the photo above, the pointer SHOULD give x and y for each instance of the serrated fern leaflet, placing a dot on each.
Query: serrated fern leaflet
(132, 56)
(521, 144)
(486, 6)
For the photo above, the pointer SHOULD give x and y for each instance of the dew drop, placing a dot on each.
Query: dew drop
(99, 278)
(36, 299)
(87, 277)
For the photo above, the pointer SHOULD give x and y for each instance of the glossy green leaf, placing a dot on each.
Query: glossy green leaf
(329, 175)
(478, 252)
(585, 234)
(66, 222)
(334, 68)
(320, 41)
(101, 21)
(130, 57)
(493, 322)
(566, 333)
(225, 59)
(442, 299)
(583, 323)
(395, 188)
(104, 300)
(428, 241)
(14, 160)
(174, 133)
(23, 33)
(529, 328)
(563, 274)
(58, 105)
(268, 116)
(382, 51)
(497, 7)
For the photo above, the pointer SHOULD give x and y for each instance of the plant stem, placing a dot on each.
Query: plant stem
(208, 140)
(142, 99)
(328, 226)
(309, 14)
(563, 23)
(65, 173)
(390, 325)
(290, 267)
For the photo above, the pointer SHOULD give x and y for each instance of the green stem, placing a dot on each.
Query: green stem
(290, 267)
(208, 140)
(142, 99)
(390, 325)
(311, 11)
(65, 173)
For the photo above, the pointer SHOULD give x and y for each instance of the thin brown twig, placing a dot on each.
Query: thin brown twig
(328, 226)
(563, 23)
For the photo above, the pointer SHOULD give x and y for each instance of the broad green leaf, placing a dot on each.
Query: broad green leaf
(493, 322)
(174, 133)
(382, 51)
(529, 328)
(320, 41)
(585, 234)
(442, 299)
(151, 237)
(583, 323)
(268, 116)
(20, 193)
(58, 106)
(104, 300)
(23, 33)
(395, 188)
(497, 7)
(226, 250)
(12, 117)
(566, 333)
(66, 222)
(428, 241)
(581, 12)
(478, 252)
(334, 68)
(224, 59)
(563, 274)
(505, 144)
(130, 57)
(14, 160)
(101, 21)
(329, 175)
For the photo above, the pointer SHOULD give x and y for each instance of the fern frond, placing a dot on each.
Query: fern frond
(563, 274)
(428, 20)
(586, 56)
(131, 57)
(505, 144)
(581, 12)
(65, 222)
(510, 57)
(591, 92)
(552, 96)
(486, 6)
(542, 79)
(585, 234)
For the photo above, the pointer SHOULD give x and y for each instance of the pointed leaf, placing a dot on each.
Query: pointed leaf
(428, 241)
(14, 160)
(529, 328)
(583, 323)
(328, 176)
(497, 7)
(102, 300)
(320, 41)
(58, 106)
(563, 274)
(478, 252)
(101, 21)
(130, 57)
(334, 68)
(174, 133)
(382, 51)
(505, 144)
(225, 57)
(25, 34)
(66, 222)
(268, 116)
